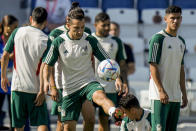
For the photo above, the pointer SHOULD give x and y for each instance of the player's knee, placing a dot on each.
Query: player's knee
(99, 96)
(69, 126)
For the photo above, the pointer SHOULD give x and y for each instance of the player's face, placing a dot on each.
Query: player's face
(103, 28)
(130, 113)
(8, 29)
(114, 31)
(76, 28)
(173, 21)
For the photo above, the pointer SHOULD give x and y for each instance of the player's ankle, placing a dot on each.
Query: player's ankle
(111, 111)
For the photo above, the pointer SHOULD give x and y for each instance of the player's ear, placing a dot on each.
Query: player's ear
(165, 18)
(30, 19)
(95, 24)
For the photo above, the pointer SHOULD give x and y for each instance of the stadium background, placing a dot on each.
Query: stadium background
(138, 19)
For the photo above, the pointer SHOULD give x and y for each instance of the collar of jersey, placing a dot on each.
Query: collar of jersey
(101, 37)
(35, 27)
(168, 34)
(70, 37)
(66, 27)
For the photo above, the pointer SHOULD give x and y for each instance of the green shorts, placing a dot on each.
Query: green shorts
(72, 104)
(165, 116)
(56, 106)
(113, 98)
(23, 107)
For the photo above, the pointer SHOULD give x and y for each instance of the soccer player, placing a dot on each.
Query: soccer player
(114, 47)
(73, 49)
(9, 23)
(87, 111)
(166, 59)
(115, 31)
(137, 118)
(27, 95)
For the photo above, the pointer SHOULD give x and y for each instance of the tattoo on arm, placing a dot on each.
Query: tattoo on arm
(123, 71)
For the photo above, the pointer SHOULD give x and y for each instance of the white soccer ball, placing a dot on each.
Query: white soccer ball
(108, 70)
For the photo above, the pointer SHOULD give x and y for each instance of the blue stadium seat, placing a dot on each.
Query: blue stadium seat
(117, 4)
(144, 4)
(189, 4)
(87, 3)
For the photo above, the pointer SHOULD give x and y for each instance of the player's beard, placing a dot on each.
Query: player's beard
(104, 33)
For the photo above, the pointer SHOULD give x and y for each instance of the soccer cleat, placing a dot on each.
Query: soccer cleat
(118, 116)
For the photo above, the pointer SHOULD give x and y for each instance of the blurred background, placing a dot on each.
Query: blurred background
(138, 20)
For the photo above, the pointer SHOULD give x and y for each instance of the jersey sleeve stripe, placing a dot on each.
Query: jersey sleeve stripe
(102, 51)
(49, 56)
(154, 52)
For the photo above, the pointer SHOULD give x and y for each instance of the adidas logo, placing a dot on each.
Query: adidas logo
(169, 47)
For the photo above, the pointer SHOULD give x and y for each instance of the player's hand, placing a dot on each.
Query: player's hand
(125, 89)
(39, 99)
(4, 83)
(164, 98)
(54, 94)
(119, 86)
(184, 101)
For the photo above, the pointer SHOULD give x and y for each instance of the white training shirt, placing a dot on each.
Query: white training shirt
(59, 78)
(75, 58)
(167, 52)
(144, 124)
(28, 44)
(115, 49)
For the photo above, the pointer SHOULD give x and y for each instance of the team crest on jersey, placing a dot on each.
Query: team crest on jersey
(65, 52)
(111, 46)
(169, 47)
(84, 50)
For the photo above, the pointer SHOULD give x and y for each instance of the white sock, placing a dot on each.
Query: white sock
(111, 111)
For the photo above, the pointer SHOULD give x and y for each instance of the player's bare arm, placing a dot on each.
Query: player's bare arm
(47, 72)
(183, 87)
(4, 64)
(123, 74)
(131, 68)
(40, 98)
(164, 98)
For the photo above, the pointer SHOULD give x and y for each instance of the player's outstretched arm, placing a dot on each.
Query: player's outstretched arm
(4, 64)
(123, 74)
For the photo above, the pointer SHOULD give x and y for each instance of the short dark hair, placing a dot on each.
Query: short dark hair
(129, 101)
(76, 13)
(116, 24)
(9, 20)
(39, 15)
(74, 5)
(102, 17)
(173, 9)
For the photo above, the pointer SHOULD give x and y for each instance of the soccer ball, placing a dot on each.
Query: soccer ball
(108, 70)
